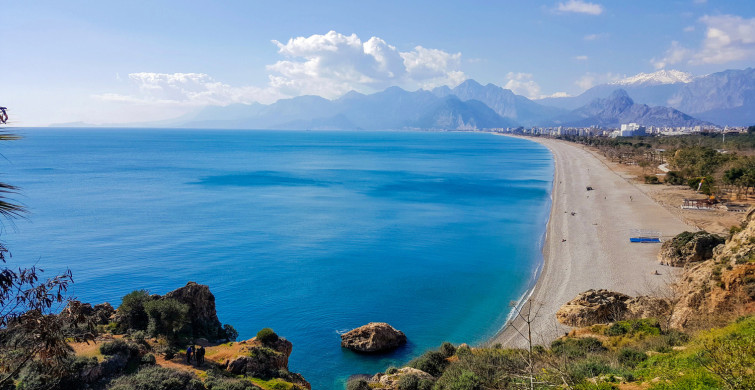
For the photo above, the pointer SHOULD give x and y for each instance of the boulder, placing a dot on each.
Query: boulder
(688, 248)
(204, 318)
(648, 307)
(593, 307)
(373, 337)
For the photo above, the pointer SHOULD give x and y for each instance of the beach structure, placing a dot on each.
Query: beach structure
(644, 236)
(697, 204)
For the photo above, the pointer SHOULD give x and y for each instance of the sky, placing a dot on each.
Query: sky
(118, 62)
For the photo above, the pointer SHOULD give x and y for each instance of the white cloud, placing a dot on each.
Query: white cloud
(594, 37)
(327, 65)
(186, 89)
(581, 58)
(332, 64)
(728, 38)
(689, 29)
(674, 55)
(580, 7)
(522, 84)
(557, 95)
(589, 79)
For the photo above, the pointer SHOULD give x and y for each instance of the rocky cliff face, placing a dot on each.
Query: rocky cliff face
(266, 361)
(722, 287)
(204, 318)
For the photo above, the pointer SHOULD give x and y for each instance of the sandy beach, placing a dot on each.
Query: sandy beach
(596, 228)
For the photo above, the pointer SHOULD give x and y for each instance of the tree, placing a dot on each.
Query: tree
(29, 329)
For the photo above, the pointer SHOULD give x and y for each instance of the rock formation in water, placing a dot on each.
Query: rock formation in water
(373, 337)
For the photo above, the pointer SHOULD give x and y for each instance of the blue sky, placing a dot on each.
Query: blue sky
(108, 62)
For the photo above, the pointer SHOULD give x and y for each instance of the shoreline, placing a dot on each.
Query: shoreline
(590, 249)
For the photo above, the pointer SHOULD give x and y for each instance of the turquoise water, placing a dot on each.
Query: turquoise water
(309, 233)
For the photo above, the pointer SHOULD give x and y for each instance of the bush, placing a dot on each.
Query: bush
(267, 336)
(391, 370)
(447, 349)
(119, 346)
(468, 380)
(652, 179)
(674, 178)
(40, 376)
(631, 357)
(214, 383)
(230, 333)
(148, 360)
(131, 314)
(577, 347)
(588, 368)
(357, 384)
(431, 362)
(167, 317)
(157, 378)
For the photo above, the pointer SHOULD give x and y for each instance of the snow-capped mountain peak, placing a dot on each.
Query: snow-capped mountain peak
(657, 78)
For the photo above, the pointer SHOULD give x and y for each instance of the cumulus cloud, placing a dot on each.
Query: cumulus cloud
(332, 64)
(589, 79)
(728, 38)
(579, 6)
(522, 84)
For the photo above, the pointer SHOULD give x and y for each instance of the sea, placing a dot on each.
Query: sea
(310, 233)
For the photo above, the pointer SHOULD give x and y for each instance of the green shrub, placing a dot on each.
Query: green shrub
(431, 362)
(577, 347)
(391, 370)
(230, 333)
(40, 376)
(131, 314)
(357, 384)
(631, 357)
(596, 386)
(467, 380)
(167, 317)
(588, 368)
(652, 179)
(267, 336)
(119, 346)
(148, 359)
(157, 378)
(674, 178)
(447, 349)
(229, 384)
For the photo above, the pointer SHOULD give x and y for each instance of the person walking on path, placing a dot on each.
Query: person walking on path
(200, 355)
(189, 353)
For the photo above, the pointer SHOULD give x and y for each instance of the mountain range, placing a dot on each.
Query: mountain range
(723, 98)
(664, 98)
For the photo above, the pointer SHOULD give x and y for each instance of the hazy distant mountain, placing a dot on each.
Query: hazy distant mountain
(503, 101)
(393, 108)
(723, 98)
(619, 108)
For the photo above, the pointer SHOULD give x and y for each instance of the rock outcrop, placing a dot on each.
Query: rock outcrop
(385, 381)
(603, 306)
(720, 288)
(593, 307)
(688, 248)
(204, 318)
(373, 337)
(266, 360)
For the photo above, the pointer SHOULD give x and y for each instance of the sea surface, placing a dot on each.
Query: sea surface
(309, 233)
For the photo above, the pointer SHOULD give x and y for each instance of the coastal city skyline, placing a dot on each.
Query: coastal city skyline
(135, 63)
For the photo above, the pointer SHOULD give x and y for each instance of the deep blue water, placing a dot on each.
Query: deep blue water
(309, 233)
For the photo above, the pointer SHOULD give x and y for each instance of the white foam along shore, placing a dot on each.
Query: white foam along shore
(587, 244)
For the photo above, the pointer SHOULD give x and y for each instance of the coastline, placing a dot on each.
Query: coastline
(596, 252)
